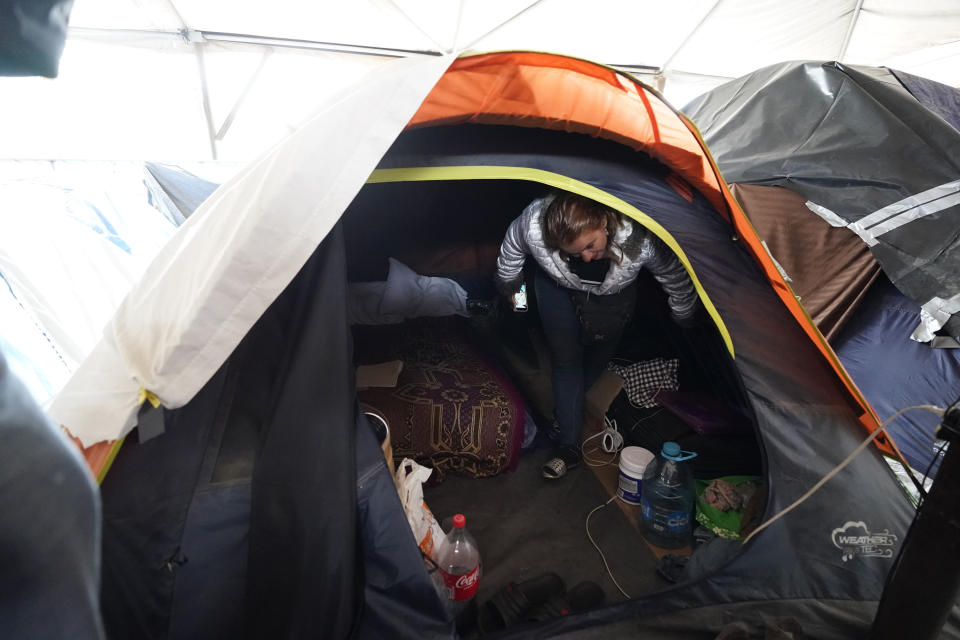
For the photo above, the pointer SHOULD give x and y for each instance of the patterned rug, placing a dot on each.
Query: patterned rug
(453, 408)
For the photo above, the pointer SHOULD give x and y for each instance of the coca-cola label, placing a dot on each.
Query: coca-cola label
(461, 586)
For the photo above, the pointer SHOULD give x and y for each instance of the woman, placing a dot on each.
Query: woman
(588, 257)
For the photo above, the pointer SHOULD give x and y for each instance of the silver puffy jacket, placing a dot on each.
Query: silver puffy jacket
(640, 249)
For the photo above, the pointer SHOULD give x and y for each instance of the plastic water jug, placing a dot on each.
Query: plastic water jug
(668, 498)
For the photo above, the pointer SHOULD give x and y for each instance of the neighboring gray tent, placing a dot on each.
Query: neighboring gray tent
(876, 154)
(857, 144)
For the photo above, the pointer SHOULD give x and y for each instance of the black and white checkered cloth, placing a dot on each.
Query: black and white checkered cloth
(642, 380)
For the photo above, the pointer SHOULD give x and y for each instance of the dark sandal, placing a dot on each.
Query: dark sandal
(565, 458)
(509, 605)
(554, 469)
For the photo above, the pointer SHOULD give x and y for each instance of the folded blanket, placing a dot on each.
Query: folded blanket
(403, 295)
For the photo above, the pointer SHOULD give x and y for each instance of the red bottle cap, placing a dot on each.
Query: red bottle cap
(459, 521)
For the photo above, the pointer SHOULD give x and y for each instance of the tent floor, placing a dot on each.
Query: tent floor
(526, 525)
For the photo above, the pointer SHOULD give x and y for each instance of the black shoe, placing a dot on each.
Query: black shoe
(509, 605)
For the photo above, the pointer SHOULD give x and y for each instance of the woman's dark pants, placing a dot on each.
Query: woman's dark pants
(575, 367)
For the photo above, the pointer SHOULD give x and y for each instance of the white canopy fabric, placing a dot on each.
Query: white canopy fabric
(224, 79)
(222, 269)
(184, 80)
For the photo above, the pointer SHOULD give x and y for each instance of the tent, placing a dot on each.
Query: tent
(264, 476)
(845, 224)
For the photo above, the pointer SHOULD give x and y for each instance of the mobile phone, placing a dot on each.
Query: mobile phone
(520, 299)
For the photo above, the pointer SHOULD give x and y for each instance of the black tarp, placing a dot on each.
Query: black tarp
(855, 142)
(303, 578)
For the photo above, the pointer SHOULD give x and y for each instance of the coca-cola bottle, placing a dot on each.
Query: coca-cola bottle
(458, 568)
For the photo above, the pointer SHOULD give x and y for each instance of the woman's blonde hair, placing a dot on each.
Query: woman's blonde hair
(571, 215)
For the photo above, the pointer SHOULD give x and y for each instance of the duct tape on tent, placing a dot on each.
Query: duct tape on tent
(937, 311)
(895, 215)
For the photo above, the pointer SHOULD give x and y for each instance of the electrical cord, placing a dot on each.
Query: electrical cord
(611, 424)
(644, 419)
(863, 445)
(917, 439)
(611, 442)
(597, 547)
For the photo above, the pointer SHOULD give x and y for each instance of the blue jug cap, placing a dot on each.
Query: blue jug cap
(671, 451)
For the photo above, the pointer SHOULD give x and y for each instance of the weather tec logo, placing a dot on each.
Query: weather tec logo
(855, 539)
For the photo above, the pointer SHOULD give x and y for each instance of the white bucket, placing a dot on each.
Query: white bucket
(633, 460)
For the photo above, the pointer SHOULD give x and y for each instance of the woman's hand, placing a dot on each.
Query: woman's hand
(514, 292)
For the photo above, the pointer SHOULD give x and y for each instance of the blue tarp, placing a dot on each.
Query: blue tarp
(895, 372)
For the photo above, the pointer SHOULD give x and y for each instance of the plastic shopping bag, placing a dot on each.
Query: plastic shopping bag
(409, 478)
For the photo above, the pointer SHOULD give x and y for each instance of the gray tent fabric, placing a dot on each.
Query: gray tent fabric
(180, 192)
(49, 528)
(32, 35)
(866, 155)
(939, 98)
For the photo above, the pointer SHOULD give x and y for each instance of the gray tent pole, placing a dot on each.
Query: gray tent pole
(669, 61)
(846, 38)
(925, 579)
(243, 95)
(208, 115)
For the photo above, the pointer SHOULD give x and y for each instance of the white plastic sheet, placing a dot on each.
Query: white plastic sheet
(238, 251)
(76, 236)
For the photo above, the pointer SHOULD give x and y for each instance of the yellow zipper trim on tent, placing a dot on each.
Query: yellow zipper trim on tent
(114, 450)
(142, 396)
(418, 174)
